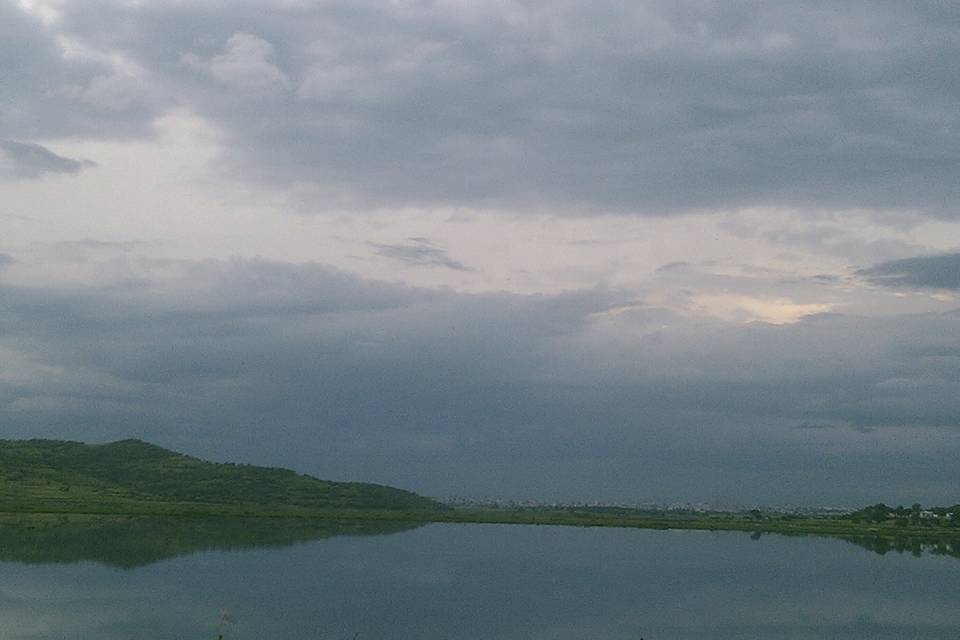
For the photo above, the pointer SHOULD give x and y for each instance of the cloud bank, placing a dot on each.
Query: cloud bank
(924, 272)
(681, 197)
(646, 108)
(419, 252)
(20, 160)
(581, 395)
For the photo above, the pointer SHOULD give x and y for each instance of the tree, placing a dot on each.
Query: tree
(915, 509)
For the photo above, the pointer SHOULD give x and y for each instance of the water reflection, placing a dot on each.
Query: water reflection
(476, 582)
(134, 541)
(915, 546)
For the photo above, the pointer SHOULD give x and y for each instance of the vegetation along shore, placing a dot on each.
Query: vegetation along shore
(135, 478)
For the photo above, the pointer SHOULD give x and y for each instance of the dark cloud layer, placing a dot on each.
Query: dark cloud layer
(541, 396)
(419, 252)
(27, 160)
(47, 94)
(651, 107)
(924, 272)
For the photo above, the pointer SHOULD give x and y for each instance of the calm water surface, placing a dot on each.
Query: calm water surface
(448, 581)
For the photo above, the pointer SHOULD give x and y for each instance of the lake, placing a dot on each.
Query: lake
(464, 582)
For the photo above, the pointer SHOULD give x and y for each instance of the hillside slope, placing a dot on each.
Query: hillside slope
(53, 475)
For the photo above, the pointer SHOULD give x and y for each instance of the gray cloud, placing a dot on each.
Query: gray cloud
(47, 94)
(829, 235)
(652, 107)
(28, 160)
(547, 396)
(924, 272)
(419, 252)
(674, 266)
(245, 65)
(90, 249)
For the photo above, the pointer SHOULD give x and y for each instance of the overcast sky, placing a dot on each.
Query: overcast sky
(625, 251)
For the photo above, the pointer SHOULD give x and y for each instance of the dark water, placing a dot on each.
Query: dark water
(448, 581)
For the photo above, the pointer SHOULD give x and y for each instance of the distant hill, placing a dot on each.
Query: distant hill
(132, 476)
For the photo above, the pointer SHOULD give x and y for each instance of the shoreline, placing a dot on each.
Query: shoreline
(715, 521)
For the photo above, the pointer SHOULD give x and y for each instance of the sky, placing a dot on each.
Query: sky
(646, 251)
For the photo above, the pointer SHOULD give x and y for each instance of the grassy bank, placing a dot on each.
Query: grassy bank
(824, 526)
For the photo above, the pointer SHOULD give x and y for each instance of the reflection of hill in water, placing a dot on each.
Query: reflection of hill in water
(132, 541)
(913, 545)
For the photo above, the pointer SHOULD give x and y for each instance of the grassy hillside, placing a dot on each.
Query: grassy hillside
(137, 477)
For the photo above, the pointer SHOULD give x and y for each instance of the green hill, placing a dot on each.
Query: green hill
(131, 476)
